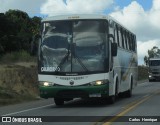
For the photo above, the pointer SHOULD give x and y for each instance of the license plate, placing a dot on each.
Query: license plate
(156, 75)
(95, 95)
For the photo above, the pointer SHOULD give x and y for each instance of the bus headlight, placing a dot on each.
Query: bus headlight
(99, 82)
(46, 83)
(150, 75)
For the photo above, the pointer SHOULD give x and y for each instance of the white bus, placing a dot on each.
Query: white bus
(154, 69)
(86, 56)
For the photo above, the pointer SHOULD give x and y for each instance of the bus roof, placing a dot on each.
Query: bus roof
(75, 16)
(83, 16)
(154, 59)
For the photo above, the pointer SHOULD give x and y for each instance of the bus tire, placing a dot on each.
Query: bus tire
(59, 101)
(113, 98)
(150, 80)
(128, 93)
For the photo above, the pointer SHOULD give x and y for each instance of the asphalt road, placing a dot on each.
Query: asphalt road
(144, 104)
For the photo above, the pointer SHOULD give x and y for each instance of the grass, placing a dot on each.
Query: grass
(15, 100)
(142, 73)
(21, 56)
(9, 96)
(18, 78)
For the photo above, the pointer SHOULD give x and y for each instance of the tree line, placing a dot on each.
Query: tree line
(17, 31)
(154, 52)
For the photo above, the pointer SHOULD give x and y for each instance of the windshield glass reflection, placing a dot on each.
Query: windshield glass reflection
(73, 46)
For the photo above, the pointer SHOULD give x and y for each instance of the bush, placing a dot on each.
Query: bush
(21, 56)
(142, 72)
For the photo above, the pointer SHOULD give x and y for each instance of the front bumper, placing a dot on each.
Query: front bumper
(154, 77)
(74, 91)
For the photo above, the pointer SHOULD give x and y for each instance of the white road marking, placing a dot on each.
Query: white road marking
(13, 113)
(143, 83)
(146, 95)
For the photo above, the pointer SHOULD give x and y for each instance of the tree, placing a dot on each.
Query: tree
(23, 34)
(6, 30)
(36, 21)
(17, 30)
(154, 52)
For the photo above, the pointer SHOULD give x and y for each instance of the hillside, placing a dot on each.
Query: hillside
(142, 73)
(18, 82)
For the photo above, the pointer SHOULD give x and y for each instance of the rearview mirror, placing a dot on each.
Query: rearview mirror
(111, 36)
(114, 49)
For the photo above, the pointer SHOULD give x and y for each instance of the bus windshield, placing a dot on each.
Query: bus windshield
(154, 62)
(74, 46)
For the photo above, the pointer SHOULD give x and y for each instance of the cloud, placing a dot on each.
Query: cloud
(31, 7)
(154, 14)
(55, 7)
(156, 5)
(144, 23)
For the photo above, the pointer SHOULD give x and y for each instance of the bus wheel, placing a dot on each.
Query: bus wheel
(128, 93)
(111, 99)
(58, 101)
(149, 80)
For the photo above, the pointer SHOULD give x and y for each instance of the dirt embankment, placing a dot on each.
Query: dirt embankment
(18, 82)
(142, 73)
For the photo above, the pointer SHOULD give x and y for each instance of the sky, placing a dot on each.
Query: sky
(142, 17)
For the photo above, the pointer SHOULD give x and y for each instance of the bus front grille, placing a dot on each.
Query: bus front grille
(72, 94)
(155, 72)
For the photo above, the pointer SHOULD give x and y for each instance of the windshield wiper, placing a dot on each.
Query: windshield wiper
(63, 61)
(80, 62)
(78, 59)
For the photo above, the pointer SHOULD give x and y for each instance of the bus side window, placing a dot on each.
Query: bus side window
(135, 47)
(111, 31)
(124, 38)
(120, 37)
(116, 35)
(127, 42)
(132, 42)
